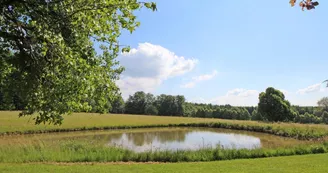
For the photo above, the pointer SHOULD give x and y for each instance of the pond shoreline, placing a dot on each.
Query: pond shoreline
(293, 132)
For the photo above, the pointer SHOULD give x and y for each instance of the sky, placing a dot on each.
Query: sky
(227, 52)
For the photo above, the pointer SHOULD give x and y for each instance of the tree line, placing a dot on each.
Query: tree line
(269, 109)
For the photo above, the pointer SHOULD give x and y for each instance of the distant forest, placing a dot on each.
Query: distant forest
(142, 103)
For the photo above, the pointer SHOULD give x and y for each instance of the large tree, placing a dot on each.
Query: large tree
(48, 57)
(273, 106)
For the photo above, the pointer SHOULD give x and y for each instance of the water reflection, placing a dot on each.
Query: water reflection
(178, 139)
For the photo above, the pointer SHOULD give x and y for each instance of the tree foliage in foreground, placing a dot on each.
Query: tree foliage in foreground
(48, 57)
(305, 4)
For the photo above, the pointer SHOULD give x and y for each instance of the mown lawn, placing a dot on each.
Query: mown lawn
(292, 164)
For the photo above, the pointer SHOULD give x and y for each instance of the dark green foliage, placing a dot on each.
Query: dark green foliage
(190, 110)
(151, 110)
(256, 116)
(318, 112)
(325, 117)
(304, 109)
(136, 103)
(237, 113)
(142, 103)
(118, 105)
(308, 119)
(10, 101)
(273, 106)
(170, 105)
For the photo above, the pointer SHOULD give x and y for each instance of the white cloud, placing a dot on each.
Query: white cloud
(198, 79)
(310, 89)
(148, 65)
(200, 100)
(235, 97)
(130, 85)
(242, 92)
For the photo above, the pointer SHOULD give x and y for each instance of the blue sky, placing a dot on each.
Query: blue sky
(226, 52)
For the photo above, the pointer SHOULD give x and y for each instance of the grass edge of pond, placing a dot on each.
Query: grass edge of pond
(293, 132)
(87, 152)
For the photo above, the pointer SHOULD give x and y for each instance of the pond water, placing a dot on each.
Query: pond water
(177, 139)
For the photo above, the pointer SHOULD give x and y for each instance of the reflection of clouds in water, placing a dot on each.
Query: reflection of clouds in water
(185, 140)
(226, 140)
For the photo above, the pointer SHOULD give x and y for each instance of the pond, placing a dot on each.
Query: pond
(182, 139)
(153, 139)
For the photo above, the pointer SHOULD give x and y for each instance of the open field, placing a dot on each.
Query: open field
(291, 164)
(9, 122)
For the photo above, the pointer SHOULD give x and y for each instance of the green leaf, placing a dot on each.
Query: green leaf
(126, 49)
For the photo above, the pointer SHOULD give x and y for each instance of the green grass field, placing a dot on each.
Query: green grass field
(9, 122)
(291, 164)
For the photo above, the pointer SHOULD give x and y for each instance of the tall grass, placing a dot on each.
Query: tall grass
(88, 152)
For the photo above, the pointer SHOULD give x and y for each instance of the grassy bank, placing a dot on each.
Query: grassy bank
(11, 124)
(300, 164)
(74, 151)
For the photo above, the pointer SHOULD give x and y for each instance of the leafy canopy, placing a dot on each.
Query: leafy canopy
(48, 57)
(273, 106)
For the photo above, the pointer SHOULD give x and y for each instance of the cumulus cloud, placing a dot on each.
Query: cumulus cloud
(310, 89)
(198, 79)
(235, 97)
(148, 65)
(130, 85)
